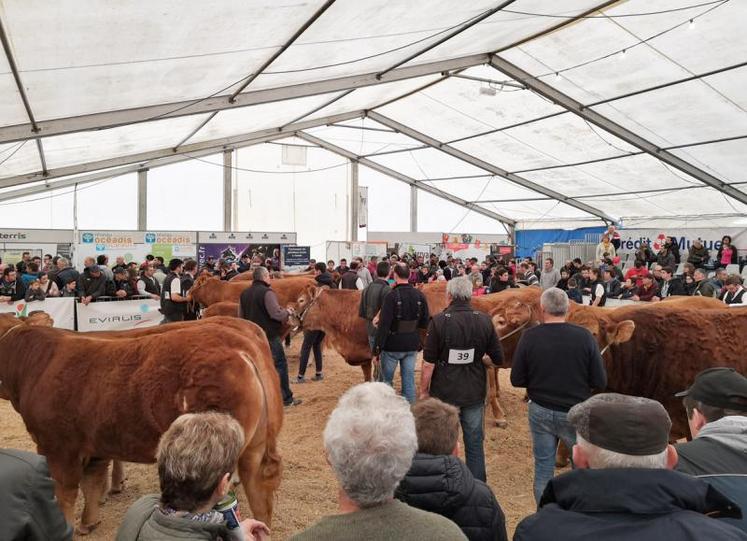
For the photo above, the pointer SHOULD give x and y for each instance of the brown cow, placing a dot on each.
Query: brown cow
(210, 290)
(89, 397)
(335, 311)
(247, 275)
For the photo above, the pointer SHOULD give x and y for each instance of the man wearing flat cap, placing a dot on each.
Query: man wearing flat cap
(624, 486)
(716, 406)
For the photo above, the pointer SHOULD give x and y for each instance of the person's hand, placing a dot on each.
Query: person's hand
(655, 299)
(635, 298)
(254, 529)
(121, 293)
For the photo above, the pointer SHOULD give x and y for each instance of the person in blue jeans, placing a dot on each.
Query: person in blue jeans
(560, 366)
(403, 313)
(453, 371)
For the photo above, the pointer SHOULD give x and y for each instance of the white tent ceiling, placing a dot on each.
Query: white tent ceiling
(614, 110)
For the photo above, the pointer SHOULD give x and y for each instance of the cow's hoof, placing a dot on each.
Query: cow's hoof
(103, 499)
(501, 424)
(85, 529)
(117, 489)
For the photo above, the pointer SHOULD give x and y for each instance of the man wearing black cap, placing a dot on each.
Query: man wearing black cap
(716, 406)
(91, 284)
(624, 486)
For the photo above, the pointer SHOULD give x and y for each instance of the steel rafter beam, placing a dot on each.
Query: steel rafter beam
(214, 145)
(110, 119)
(486, 166)
(297, 34)
(404, 178)
(543, 89)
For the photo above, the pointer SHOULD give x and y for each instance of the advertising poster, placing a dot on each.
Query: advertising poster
(631, 239)
(235, 251)
(466, 251)
(296, 258)
(118, 315)
(61, 310)
(135, 245)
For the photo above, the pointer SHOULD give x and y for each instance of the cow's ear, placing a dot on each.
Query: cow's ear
(617, 333)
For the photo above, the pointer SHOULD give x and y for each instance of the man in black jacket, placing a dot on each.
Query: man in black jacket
(453, 370)
(312, 340)
(373, 298)
(440, 483)
(27, 500)
(624, 487)
(91, 284)
(403, 313)
(559, 364)
(259, 304)
(671, 285)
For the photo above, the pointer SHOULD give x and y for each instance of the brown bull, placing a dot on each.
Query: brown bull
(89, 397)
(210, 290)
(335, 311)
(247, 275)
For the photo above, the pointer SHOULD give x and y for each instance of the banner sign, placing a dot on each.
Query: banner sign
(414, 249)
(36, 236)
(365, 250)
(61, 310)
(118, 315)
(237, 237)
(216, 251)
(296, 256)
(467, 250)
(362, 206)
(631, 239)
(107, 240)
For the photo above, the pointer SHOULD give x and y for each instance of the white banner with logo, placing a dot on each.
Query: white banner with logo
(118, 315)
(61, 310)
(630, 239)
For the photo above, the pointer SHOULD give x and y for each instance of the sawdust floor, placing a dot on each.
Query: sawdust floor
(308, 489)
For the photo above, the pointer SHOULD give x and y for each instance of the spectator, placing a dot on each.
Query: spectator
(550, 276)
(458, 338)
(342, 268)
(196, 457)
(48, 263)
(719, 280)
(688, 268)
(70, 289)
(614, 236)
(526, 275)
(674, 248)
(441, 483)
(34, 292)
(636, 273)
(48, 286)
(370, 441)
(30, 274)
(733, 292)
(160, 276)
(122, 286)
(475, 279)
(665, 258)
(65, 273)
(21, 265)
(372, 264)
(716, 406)
(672, 286)
(564, 277)
(119, 262)
(604, 249)
(644, 254)
(91, 284)
(701, 286)
(161, 265)
(554, 387)
(103, 262)
(648, 291)
(698, 254)
(27, 499)
(173, 301)
(363, 272)
(501, 280)
(612, 286)
(574, 293)
(403, 312)
(689, 283)
(350, 278)
(373, 298)
(424, 274)
(147, 285)
(597, 289)
(244, 263)
(727, 253)
(623, 486)
(187, 280)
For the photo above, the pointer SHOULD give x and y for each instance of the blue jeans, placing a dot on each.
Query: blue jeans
(281, 366)
(472, 419)
(547, 428)
(406, 360)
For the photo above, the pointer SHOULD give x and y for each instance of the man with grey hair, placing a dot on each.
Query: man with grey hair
(370, 441)
(259, 304)
(453, 371)
(559, 364)
(624, 486)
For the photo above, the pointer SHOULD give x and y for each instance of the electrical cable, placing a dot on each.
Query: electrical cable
(621, 16)
(19, 147)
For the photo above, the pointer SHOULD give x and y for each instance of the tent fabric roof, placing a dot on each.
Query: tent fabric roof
(658, 130)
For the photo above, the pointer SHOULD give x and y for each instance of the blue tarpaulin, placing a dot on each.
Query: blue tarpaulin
(531, 240)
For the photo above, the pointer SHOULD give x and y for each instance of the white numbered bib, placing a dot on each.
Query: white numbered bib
(461, 356)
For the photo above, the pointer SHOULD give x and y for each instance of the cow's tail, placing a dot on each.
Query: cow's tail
(271, 460)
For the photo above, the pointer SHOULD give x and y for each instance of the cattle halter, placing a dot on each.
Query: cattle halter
(520, 327)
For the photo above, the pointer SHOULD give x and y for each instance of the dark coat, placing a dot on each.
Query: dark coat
(90, 286)
(443, 484)
(624, 504)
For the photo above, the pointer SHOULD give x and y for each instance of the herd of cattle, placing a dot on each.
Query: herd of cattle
(90, 398)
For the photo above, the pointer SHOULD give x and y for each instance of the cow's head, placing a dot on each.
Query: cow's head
(9, 322)
(307, 307)
(605, 329)
(194, 295)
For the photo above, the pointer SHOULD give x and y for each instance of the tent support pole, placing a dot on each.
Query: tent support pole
(142, 200)
(227, 190)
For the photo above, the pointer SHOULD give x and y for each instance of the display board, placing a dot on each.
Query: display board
(631, 239)
(61, 310)
(118, 315)
(135, 245)
(296, 257)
